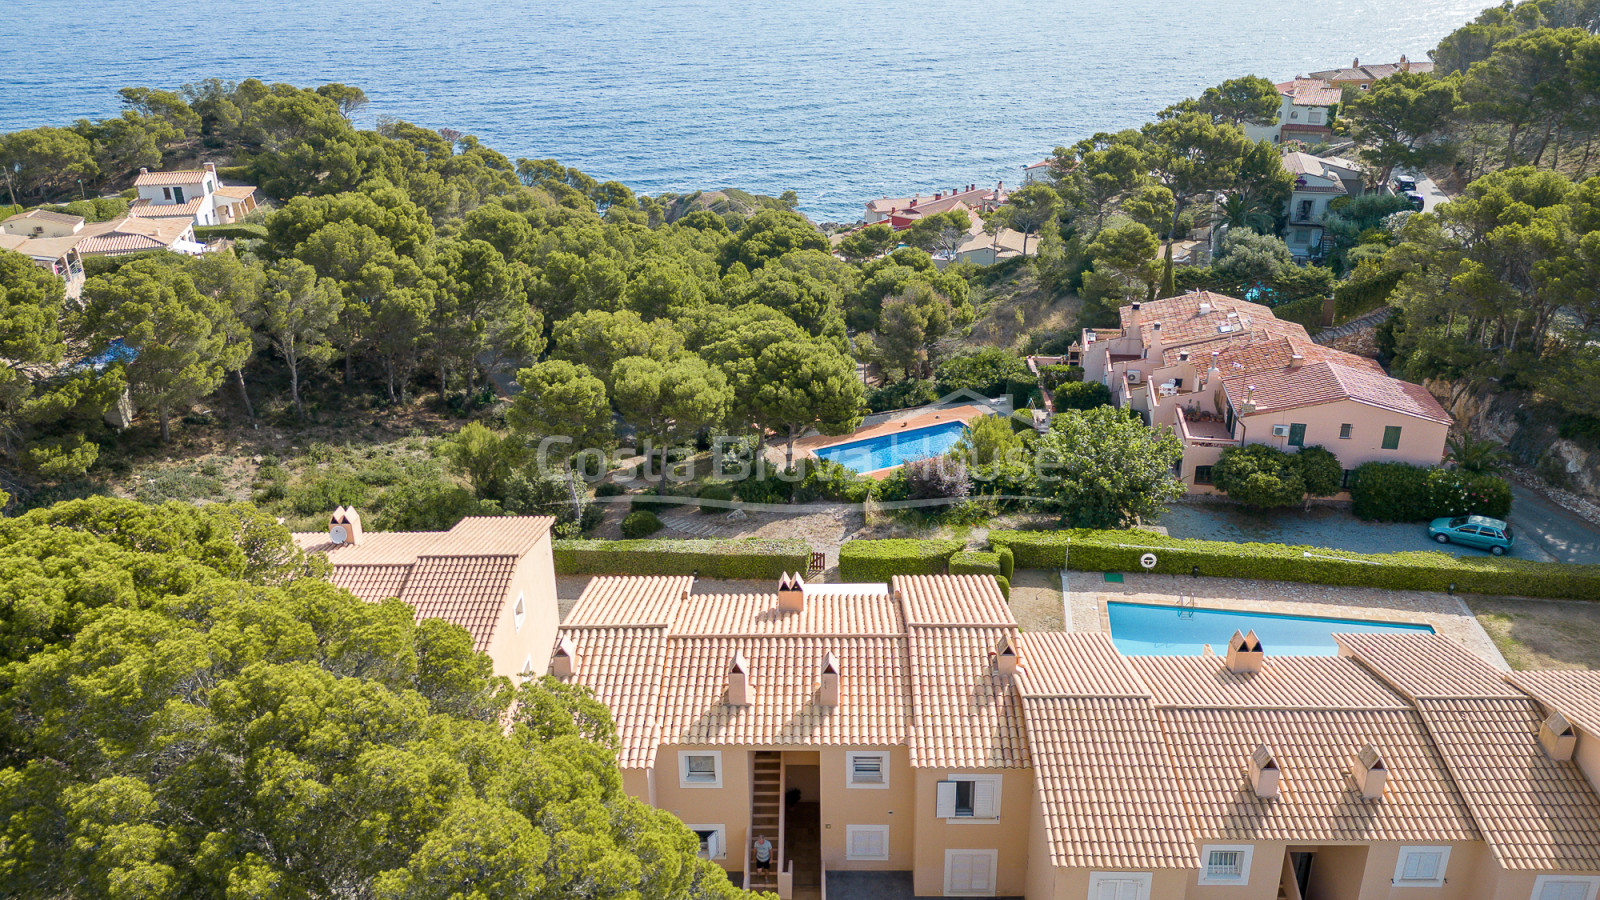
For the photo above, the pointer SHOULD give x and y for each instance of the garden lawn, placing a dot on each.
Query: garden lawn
(1541, 634)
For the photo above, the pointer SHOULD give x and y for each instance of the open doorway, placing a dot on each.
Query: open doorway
(802, 823)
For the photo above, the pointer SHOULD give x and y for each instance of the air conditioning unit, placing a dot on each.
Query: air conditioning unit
(1133, 376)
(1280, 431)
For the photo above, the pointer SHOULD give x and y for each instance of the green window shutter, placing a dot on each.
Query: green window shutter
(1297, 435)
(1391, 437)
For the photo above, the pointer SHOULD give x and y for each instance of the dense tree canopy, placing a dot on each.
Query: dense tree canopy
(191, 712)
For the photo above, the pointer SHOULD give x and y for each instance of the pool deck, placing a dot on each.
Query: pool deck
(1087, 593)
(808, 447)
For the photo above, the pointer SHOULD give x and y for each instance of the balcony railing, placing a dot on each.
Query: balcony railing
(1205, 429)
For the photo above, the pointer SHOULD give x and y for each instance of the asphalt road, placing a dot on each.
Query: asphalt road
(1431, 195)
(1544, 530)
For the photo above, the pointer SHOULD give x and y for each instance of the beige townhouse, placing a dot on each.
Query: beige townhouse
(1222, 372)
(909, 741)
(493, 576)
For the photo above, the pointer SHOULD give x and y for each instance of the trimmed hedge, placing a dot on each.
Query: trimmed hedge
(1397, 492)
(975, 563)
(867, 561)
(1008, 561)
(640, 523)
(1422, 570)
(762, 560)
(241, 231)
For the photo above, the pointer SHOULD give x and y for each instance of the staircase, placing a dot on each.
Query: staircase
(766, 809)
(1371, 319)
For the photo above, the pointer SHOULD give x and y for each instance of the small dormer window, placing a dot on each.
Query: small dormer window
(520, 611)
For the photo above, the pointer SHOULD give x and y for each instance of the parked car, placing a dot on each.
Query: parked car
(1405, 184)
(1482, 532)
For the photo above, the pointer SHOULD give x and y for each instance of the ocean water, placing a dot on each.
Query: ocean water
(1139, 629)
(840, 100)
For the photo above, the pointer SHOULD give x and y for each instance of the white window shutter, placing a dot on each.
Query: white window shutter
(982, 873)
(983, 799)
(961, 872)
(714, 845)
(945, 807)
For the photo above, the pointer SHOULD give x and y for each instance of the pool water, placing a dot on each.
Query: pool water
(895, 449)
(1139, 629)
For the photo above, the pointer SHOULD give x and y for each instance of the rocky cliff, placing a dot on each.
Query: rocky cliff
(1531, 431)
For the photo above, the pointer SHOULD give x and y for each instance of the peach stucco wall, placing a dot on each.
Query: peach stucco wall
(844, 805)
(512, 647)
(1008, 835)
(1421, 441)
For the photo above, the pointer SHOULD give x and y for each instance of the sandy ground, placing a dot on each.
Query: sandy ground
(1542, 634)
(1036, 600)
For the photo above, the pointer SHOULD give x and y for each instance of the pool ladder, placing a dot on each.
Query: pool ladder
(1185, 607)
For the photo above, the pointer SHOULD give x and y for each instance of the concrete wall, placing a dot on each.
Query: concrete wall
(1587, 756)
(728, 805)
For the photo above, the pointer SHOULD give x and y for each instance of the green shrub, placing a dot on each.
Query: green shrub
(901, 395)
(205, 233)
(609, 489)
(1008, 561)
(719, 496)
(1320, 469)
(990, 371)
(869, 561)
(1259, 475)
(975, 562)
(744, 559)
(1082, 395)
(1005, 586)
(828, 480)
(321, 495)
(771, 489)
(1397, 492)
(1057, 375)
(428, 504)
(1419, 570)
(640, 523)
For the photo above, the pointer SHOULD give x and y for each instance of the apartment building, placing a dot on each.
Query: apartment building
(1222, 372)
(912, 732)
(493, 576)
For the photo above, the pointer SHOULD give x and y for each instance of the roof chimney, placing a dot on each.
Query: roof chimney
(1355, 63)
(829, 693)
(1557, 737)
(1369, 771)
(1005, 656)
(344, 526)
(1264, 772)
(738, 680)
(1249, 400)
(143, 171)
(211, 167)
(791, 592)
(1205, 307)
(1296, 361)
(564, 664)
(1245, 654)
(1133, 316)
(1183, 356)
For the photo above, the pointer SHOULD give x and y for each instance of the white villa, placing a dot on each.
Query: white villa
(194, 194)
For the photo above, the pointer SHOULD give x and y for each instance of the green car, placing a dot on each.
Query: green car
(1482, 532)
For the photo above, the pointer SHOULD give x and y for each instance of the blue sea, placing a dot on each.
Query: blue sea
(840, 100)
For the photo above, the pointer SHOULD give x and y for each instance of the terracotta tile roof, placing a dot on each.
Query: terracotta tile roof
(874, 704)
(932, 687)
(1318, 799)
(1105, 785)
(1535, 813)
(968, 714)
(1574, 693)
(1426, 666)
(1310, 92)
(609, 664)
(1182, 323)
(462, 575)
(144, 209)
(629, 600)
(1286, 682)
(1373, 72)
(1076, 664)
(45, 215)
(235, 191)
(1323, 381)
(179, 176)
(129, 234)
(953, 600)
(758, 614)
(469, 591)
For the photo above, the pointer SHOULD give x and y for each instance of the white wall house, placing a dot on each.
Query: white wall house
(1317, 183)
(195, 194)
(1305, 113)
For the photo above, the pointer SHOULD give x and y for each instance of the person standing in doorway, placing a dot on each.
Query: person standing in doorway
(763, 854)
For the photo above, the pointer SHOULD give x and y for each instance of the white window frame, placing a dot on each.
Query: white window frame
(1141, 879)
(519, 612)
(683, 769)
(1592, 882)
(850, 770)
(850, 832)
(996, 780)
(1400, 879)
(1243, 878)
(721, 838)
(994, 874)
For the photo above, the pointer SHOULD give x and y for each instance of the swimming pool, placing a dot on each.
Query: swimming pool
(895, 449)
(1139, 629)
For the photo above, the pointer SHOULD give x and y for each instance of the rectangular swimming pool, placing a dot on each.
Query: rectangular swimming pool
(1139, 629)
(895, 449)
